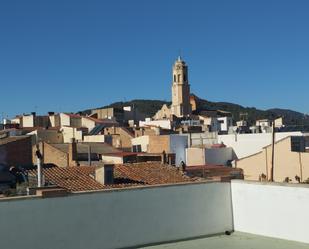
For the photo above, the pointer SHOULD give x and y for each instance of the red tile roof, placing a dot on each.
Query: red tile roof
(151, 173)
(71, 178)
(81, 178)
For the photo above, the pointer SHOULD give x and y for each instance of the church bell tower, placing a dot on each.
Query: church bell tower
(181, 106)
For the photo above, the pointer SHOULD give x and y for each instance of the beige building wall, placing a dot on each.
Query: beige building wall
(16, 120)
(54, 156)
(112, 159)
(46, 135)
(287, 163)
(28, 121)
(121, 137)
(71, 132)
(94, 138)
(158, 144)
(88, 123)
(163, 113)
(104, 113)
(64, 119)
(54, 120)
(143, 141)
(195, 156)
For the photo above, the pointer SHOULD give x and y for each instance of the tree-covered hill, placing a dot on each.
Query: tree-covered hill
(150, 107)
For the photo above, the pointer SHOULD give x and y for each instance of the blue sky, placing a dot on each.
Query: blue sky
(62, 55)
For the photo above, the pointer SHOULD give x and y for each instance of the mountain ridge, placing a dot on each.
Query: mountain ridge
(151, 106)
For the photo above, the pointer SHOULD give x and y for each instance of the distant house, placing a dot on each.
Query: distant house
(121, 137)
(120, 115)
(174, 143)
(72, 154)
(70, 120)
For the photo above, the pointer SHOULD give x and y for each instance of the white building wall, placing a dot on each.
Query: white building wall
(143, 141)
(178, 145)
(96, 138)
(272, 210)
(164, 123)
(65, 120)
(116, 218)
(200, 139)
(224, 123)
(247, 144)
(28, 121)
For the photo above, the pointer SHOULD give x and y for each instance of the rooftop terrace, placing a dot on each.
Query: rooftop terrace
(259, 215)
(236, 240)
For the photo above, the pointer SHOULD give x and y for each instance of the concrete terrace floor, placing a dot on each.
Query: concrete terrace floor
(235, 241)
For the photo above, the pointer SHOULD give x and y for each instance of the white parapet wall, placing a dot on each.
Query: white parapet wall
(116, 218)
(271, 209)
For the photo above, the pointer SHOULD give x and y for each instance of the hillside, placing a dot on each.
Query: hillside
(150, 107)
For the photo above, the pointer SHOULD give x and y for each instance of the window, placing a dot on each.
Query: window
(298, 144)
(174, 77)
(184, 77)
(137, 148)
(178, 77)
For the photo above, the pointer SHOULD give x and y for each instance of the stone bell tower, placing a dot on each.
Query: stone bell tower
(181, 106)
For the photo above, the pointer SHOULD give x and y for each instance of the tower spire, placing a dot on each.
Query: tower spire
(179, 55)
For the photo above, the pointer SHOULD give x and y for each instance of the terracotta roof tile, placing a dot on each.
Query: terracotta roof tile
(71, 178)
(151, 173)
(81, 178)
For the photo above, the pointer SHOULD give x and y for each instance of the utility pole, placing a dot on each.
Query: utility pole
(272, 152)
(39, 166)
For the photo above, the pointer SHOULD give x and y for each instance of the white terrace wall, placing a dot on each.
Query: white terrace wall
(272, 210)
(117, 218)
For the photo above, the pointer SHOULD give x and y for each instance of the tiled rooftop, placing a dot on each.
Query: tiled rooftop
(151, 173)
(72, 178)
(81, 178)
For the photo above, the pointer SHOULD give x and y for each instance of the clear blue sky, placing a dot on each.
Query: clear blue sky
(63, 55)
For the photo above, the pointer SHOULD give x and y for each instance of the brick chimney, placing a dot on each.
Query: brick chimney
(105, 174)
(73, 153)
